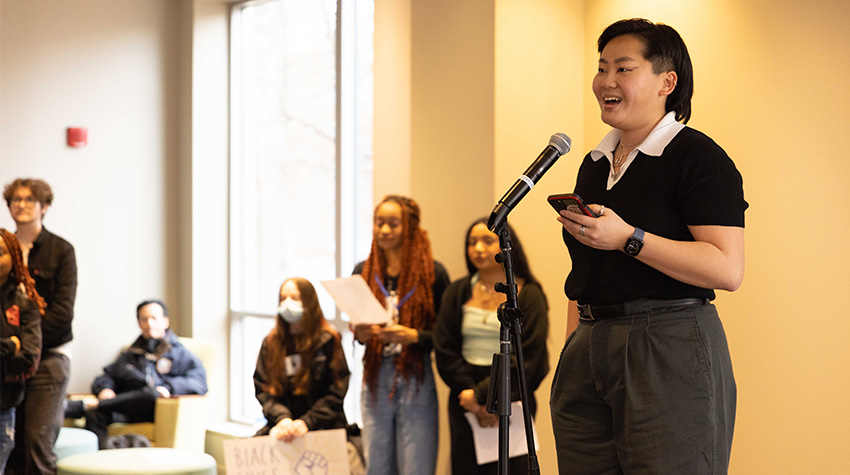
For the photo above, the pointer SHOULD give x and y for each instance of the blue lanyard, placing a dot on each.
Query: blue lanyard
(387, 294)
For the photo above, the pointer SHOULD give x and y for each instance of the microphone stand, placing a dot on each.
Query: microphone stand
(499, 394)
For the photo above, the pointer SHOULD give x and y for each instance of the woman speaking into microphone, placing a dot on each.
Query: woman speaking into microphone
(645, 383)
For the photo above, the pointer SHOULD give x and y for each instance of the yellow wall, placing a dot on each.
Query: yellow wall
(771, 89)
(539, 90)
(492, 80)
(391, 141)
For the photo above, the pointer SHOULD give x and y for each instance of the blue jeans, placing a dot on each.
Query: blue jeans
(7, 436)
(400, 436)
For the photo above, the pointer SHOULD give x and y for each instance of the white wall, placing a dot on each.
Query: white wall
(208, 253)
(111, 67)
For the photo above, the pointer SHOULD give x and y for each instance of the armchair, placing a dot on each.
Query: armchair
(179, 421)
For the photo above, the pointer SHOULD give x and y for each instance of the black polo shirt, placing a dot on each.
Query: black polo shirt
(693, 182)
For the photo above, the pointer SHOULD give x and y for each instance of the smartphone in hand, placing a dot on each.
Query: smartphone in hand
(572, 203)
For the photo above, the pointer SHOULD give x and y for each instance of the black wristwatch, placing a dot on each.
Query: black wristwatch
(635, 243)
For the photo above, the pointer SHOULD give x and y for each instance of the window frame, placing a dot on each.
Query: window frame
(347, 239)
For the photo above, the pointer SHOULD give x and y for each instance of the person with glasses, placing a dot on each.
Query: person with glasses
(52, 264)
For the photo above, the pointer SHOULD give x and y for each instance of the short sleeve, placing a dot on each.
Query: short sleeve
(711, 190)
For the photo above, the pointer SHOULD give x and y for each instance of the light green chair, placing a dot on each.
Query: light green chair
(138, 461)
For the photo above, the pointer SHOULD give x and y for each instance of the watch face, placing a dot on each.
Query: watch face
(633, 246)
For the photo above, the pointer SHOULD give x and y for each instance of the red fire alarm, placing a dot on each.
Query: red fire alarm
(77, 137)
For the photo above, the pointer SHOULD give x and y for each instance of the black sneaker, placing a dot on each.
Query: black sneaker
(74, 409)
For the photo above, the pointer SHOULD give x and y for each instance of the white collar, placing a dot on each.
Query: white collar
(653, 145)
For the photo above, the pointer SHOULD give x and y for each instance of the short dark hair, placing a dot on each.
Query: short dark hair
(39, 189)
(665, 49)
(148, 302)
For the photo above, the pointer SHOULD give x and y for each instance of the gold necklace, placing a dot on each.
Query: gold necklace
(488, 295)
(620, 159)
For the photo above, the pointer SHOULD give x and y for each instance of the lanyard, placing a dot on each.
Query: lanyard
(387, 294)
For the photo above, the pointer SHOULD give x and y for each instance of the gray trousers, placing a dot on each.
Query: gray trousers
(40, 417)
(647, 393)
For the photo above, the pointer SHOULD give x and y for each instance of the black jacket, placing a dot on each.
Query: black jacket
(154, 363)
(53, 265)
(20, 318)
(321, 407)
(448, 342)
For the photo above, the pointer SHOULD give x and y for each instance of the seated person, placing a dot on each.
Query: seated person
(156, 365)
(301, 376)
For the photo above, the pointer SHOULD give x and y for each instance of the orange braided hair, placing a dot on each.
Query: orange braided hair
(418, 311)
(20, 271)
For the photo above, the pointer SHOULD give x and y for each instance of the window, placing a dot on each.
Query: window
(301, 167)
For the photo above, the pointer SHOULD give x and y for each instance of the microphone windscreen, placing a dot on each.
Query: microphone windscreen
(561, 142)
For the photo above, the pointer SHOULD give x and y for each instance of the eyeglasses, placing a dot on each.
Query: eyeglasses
(26, 199)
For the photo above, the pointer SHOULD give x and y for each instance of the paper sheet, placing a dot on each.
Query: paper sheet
(319, 452)
(354, 297)
(487, 438)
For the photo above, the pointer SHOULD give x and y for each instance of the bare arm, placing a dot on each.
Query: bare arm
(714, 260)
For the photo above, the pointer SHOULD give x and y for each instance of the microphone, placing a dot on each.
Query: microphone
(559, 144)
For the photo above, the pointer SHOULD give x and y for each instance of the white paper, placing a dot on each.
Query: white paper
(316, 452)
(354, 297)
(487, 438)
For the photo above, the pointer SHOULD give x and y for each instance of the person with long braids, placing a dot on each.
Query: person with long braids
(301, 376)
(20, 336)
(399, 399)
(466, 336)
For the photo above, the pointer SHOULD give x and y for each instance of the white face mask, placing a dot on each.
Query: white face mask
(291, 311)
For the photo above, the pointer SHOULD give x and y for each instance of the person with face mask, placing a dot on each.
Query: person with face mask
(301, 376)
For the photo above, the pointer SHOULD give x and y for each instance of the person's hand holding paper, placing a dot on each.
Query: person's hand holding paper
(353, 297)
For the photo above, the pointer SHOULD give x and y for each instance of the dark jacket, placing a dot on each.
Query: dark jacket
(20, 318)
(321, 407)
(154, 363)
(448, 342)
(53, 265)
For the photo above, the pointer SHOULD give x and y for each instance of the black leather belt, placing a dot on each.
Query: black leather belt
(601, 312)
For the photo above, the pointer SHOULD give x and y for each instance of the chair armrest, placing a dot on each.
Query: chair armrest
(180, 422)
(79, 396)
